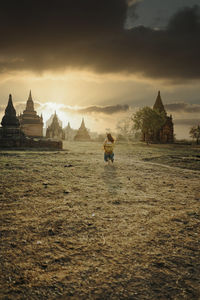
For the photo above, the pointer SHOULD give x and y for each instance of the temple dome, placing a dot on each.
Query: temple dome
(10, 119)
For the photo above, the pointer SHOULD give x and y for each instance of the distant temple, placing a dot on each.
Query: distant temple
(31, 123)
(166, 133)
(82, 133)
(50, 120)
(69, 132)
(54, 130)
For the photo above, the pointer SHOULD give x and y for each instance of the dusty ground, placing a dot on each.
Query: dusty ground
(73, 228)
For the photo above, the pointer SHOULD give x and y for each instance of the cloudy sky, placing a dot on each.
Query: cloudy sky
(102, 59)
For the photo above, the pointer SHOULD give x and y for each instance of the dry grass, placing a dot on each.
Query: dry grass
(73, 228)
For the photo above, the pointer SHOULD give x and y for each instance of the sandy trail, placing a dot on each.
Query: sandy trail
(74, 228)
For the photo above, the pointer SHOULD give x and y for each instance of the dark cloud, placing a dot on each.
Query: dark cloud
(186, 21)
(132, 2)
(112, 109)
(108, 110)
(183, 107)
(51, 35)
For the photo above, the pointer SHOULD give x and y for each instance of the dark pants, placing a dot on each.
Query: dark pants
(109, 156)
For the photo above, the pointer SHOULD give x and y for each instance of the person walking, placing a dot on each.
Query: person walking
(108, 146)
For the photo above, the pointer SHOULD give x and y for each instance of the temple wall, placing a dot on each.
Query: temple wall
(33, 129)
(55, 134)
(23, 142)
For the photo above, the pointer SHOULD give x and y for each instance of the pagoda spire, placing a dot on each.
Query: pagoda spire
(55, 121)
(29, 103)
(10, 119)
(83, 123)
(158, 104)
(82, 133)
(55, 117)
(31, 123)
(30, 96)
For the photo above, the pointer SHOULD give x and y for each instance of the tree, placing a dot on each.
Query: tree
(149, 121)
(195, 133)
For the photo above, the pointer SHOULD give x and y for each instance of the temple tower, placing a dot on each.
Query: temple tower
(54, 130)
(30, 104)
(10, 130)
(10, 119)
(31, 123)
(69, 132)
(166, 133)
(158, 105)
(82, 134)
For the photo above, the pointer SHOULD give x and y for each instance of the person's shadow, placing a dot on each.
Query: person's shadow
(109, 176)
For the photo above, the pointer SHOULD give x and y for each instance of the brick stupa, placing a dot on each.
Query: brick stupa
(10, 124)
(55, 131)
(82, 134)
(31, 123)
(69, 132)
(166, 133)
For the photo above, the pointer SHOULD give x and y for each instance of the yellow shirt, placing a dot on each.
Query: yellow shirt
(108, 146)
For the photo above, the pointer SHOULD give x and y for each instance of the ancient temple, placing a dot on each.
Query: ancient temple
(82, 133)
(10, 123)
(69, 132)
(31, 124)
(11, 135)
(166, 133)
(54, 130)
(50, 120)
(158, 105)
(10, 119)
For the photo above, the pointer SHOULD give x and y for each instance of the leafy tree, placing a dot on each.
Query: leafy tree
(149, 121)
(195, 133)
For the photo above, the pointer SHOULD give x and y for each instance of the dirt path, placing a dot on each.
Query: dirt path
(73, 228)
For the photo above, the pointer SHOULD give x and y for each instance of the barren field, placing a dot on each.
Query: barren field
(72, 227)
